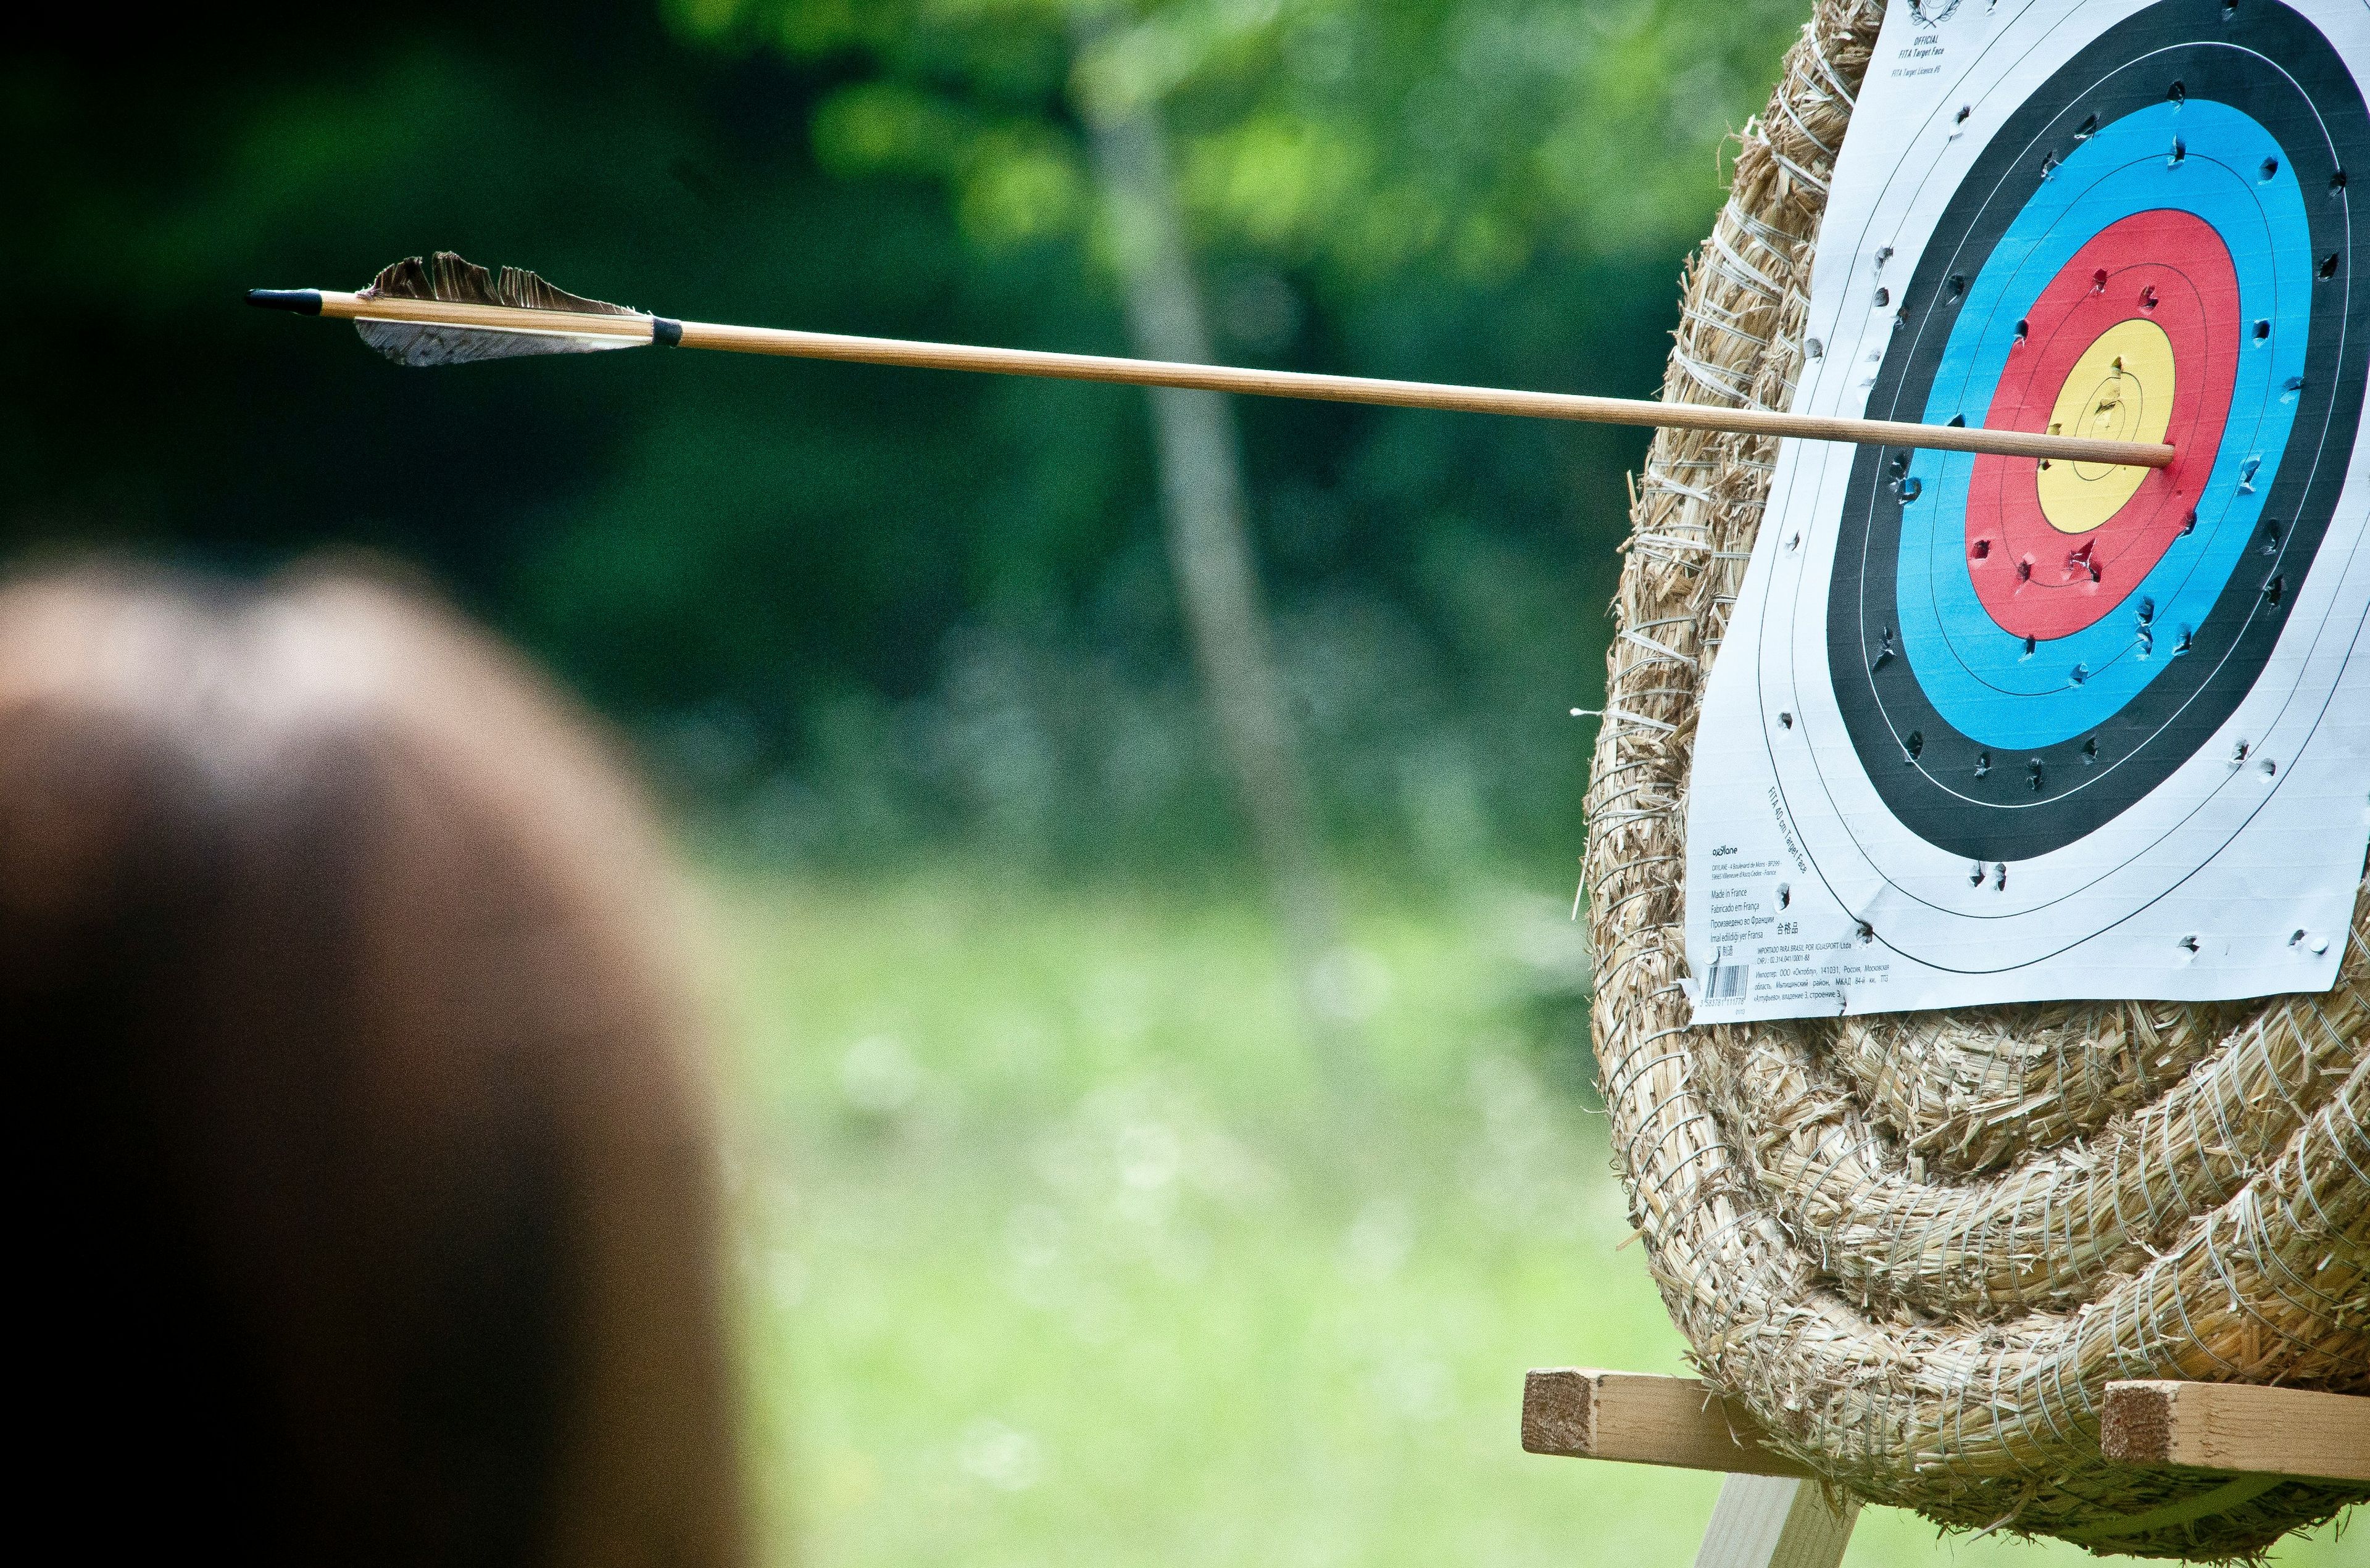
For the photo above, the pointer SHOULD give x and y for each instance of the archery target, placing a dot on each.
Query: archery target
(2022, 649)
(2005, 705)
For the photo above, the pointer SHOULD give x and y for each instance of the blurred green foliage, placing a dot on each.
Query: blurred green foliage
(858, 612)
(1365, 144)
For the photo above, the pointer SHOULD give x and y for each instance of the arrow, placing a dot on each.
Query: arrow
(442, 310)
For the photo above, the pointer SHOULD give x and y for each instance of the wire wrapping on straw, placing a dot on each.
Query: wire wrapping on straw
(1917, 1246)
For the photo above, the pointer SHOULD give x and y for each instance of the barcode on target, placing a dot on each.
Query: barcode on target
(1726, 982)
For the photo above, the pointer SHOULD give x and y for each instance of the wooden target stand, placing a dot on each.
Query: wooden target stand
(1772, 1512)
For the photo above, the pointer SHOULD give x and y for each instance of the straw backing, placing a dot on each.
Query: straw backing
(1918, 1245)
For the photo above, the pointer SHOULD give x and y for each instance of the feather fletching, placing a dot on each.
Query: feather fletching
(446, 277)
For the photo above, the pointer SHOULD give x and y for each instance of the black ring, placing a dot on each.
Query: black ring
(2273, 62)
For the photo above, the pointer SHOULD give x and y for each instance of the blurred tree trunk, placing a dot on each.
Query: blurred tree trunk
(1209, 553)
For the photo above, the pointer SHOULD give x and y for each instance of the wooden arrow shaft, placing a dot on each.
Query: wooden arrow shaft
(1257, 383)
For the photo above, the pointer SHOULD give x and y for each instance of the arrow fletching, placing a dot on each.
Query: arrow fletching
(451, 279)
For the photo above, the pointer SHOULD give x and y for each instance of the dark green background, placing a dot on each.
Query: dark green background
(855, 613)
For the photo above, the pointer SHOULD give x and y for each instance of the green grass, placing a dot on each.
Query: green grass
(1053, 1252)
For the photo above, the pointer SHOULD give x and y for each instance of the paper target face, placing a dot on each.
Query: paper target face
(2029, 729)
(2024, 650)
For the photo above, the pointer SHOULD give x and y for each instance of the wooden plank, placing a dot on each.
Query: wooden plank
(1643, 1419)
(1771, 1521)
(2238, 1426)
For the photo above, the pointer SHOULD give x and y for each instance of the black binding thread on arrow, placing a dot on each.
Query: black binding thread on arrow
(303, 301)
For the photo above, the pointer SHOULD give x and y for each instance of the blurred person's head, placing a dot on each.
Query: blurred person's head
(375, 1218)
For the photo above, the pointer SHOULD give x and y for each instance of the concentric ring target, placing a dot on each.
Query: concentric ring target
(1913, 1196)
(2021, 652)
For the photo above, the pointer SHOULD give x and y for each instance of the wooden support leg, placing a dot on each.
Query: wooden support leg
(1774, 1521)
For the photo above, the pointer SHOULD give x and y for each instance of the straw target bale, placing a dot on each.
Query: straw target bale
(1917, 1246)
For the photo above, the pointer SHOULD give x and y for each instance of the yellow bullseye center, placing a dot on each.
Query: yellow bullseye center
(2121, 389)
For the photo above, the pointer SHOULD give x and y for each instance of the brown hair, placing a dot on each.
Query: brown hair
(380, 1222)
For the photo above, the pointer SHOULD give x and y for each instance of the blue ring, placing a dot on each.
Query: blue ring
(1977, 675)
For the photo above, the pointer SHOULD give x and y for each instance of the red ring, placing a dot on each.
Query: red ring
(2163, 265)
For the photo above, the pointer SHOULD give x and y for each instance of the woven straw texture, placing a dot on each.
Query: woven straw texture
(1918, 1245)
